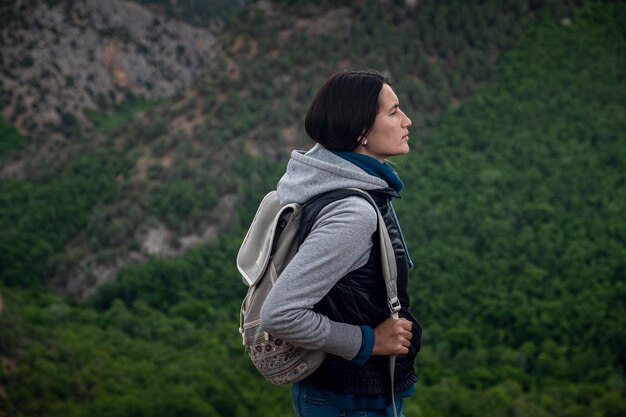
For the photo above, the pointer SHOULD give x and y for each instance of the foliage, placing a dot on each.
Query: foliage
(37, 219)
(9, 137)
(515, 220)
(110, 121)
(165, 328)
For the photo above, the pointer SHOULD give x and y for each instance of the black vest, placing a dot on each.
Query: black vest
(360, 298)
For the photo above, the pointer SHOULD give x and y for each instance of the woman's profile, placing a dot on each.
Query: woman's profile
(332, 295)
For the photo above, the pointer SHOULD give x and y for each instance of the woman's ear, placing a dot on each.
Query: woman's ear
(362, 140)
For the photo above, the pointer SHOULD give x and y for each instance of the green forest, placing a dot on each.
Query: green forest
(513, 209)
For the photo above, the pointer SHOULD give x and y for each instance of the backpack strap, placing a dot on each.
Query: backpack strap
(388, 260)
(390, 274)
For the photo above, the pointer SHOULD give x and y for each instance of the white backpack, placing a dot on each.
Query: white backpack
(269, 245)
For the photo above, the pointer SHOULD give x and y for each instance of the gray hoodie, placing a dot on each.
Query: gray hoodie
(340, 242)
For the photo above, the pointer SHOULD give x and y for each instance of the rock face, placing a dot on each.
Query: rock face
(156, 241)
(59, 61)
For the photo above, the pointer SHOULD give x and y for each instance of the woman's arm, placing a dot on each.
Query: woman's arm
(340, 242)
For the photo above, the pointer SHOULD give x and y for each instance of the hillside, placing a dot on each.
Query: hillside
(513, 210)
(154, 171)
(62, 60)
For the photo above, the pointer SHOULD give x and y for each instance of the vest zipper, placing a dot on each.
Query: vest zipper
(406, 249)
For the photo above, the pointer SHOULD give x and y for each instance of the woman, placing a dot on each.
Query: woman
(332, 295)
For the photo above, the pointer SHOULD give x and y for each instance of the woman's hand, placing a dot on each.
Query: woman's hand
(392, 336)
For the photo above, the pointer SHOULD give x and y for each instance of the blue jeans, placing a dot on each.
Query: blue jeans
(309, 402)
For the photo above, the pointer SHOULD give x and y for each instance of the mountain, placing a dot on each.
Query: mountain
(62, 60)
(161, 165)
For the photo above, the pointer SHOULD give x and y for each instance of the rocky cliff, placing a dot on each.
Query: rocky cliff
(61, 59)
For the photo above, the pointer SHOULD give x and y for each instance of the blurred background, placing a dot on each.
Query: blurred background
(138, 137)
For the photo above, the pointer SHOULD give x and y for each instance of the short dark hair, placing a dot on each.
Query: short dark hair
(344, 109)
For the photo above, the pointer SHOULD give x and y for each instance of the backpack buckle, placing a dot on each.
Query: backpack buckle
(394, 304)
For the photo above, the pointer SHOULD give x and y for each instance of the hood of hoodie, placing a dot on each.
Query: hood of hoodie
(318, 171)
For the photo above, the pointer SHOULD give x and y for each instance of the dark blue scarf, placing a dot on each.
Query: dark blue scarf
(373, 167)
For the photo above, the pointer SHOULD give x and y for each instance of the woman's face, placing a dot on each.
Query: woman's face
(390, 134)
